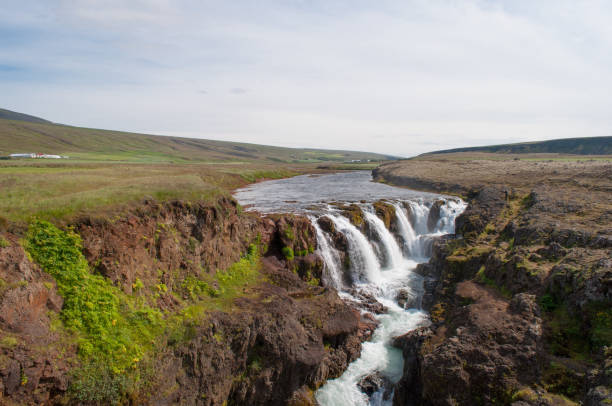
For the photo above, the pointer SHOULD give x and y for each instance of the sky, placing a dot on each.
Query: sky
(396, 77)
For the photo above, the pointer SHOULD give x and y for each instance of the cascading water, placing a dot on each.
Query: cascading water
(331, 275)
(363, 259)
(409, 237)
(395, 280)
(391, 280)
(419, 214)
(390, 246)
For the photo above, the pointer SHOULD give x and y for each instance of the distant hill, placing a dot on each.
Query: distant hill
(579, 146)
(12, 115)
(21, 133)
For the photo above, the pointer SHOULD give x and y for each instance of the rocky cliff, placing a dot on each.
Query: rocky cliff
(226, 308)
(520, 298)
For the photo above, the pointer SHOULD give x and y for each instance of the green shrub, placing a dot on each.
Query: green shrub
(288, 253)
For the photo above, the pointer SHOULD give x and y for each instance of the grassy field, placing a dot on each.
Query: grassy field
(55, 191)
(110, 170)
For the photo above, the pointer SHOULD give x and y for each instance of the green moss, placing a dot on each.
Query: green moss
(137, 285)
(482, 278)
(548, 303)
(196, 288)
(567, 336)
(311, 280)
(288, 253)
(113, 331)
(289, 233)
(4, 243)
(561, 380)
(8, 342)
(600, 318)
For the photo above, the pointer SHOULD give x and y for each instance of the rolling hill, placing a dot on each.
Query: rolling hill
(578, 146)
(13, 115)
(23, 133)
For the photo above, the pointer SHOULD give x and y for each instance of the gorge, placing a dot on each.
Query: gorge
(370, 258)
(322, 289)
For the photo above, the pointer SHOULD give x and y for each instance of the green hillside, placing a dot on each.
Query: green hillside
(12, 115)
(579, 146)
(24, 133)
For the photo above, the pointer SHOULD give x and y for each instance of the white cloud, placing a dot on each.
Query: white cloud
(397, 77)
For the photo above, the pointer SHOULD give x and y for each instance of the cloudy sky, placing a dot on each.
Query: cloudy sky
(399, 77)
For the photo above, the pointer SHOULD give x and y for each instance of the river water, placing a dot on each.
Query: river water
(382, 262)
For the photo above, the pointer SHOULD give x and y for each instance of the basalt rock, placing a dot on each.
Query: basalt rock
(487, 349)
(434, 214)
(374, 383)
(408, 391)
(487, 204)
(386, 212)
(34, 363)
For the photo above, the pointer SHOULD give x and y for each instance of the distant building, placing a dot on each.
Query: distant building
(37, 155)
(32, 155)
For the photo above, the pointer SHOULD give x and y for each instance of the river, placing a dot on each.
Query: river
(382, 261)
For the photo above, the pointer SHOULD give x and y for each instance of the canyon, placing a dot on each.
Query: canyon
(503, 301)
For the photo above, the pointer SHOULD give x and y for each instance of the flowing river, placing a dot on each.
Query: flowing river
(382, 261)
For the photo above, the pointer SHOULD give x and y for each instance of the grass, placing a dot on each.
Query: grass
(55, 191)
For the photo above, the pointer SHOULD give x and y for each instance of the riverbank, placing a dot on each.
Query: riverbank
(521, 303)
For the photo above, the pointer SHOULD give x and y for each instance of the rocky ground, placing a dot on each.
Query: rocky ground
(521, 298)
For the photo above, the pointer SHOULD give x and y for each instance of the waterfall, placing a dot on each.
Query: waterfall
(448, 213)
(331, 273)
(356, 270)
(416, 246)
(396, 286)
(392, 250)
(362, 256)
(419, 214)
(406, 231)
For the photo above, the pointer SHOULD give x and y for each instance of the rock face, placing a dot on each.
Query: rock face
(276, 344)
(520, 298)
(31, 368)
(374, 383)
(177, 236)
(485, 206)
(263, 353)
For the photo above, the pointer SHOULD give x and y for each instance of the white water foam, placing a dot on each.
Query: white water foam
(397, 277)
